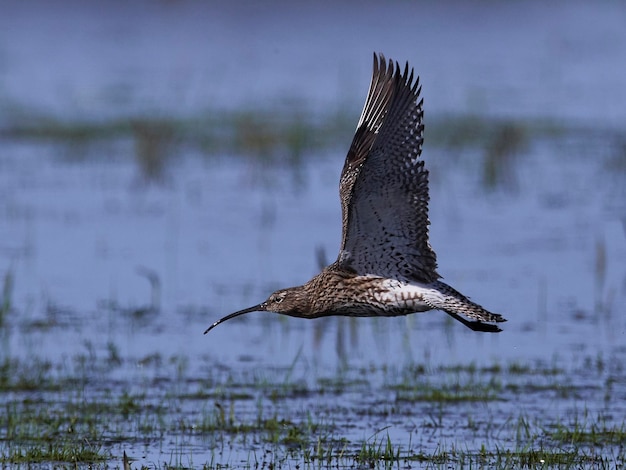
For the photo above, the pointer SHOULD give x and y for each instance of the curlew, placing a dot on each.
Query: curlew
(386, 266)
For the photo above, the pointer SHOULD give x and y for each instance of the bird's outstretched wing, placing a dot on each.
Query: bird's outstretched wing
(384, 185)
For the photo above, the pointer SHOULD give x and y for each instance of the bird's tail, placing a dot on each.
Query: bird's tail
(455, 304)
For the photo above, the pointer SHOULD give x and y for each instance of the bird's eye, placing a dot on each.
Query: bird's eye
(278, 299)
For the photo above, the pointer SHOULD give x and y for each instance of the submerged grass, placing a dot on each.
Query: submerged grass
(283, 135)
(460, 415)
(6, 301)
(596, 434)
(267, 135)
(56, 452)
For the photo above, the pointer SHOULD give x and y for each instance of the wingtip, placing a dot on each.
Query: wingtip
(392, 68)
(380, 61)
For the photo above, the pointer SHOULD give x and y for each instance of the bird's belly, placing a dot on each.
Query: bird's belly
(402, 297)
(386, 297)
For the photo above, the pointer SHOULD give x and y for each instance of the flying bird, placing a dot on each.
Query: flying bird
(386, 266)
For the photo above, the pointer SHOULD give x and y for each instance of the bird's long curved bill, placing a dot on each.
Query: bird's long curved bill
(256, 308)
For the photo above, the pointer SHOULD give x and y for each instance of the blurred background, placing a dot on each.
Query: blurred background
(165, 163)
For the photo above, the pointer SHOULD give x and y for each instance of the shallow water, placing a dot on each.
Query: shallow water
(220, 236)
(82, 231)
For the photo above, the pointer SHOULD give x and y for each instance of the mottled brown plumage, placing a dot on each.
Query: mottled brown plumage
(386, 266)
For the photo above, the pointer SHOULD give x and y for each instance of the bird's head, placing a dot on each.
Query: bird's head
(292, 301)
